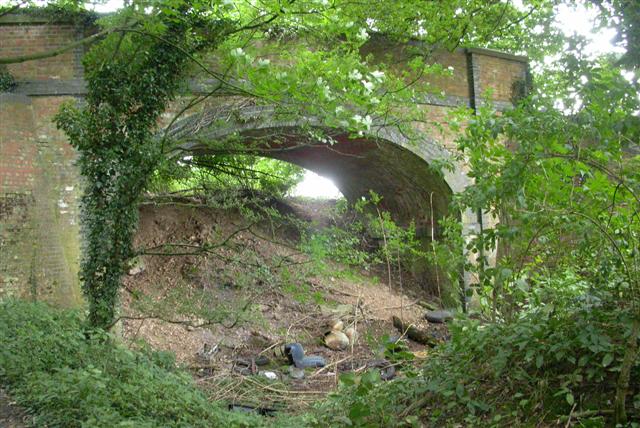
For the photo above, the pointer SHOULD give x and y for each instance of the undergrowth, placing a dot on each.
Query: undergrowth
(67, 377)
(556, 364)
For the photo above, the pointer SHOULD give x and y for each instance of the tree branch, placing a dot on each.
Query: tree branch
(60, 50)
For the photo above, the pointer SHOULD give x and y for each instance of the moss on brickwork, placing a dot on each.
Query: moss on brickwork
(39, 236)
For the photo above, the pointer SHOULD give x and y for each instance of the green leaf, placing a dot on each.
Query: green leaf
(460, 390)
(570, 398)
(607, 359)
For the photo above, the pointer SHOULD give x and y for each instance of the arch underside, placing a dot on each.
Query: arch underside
(383, 161)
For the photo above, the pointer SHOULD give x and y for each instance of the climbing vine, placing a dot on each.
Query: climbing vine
(127, 91)
(7, 81)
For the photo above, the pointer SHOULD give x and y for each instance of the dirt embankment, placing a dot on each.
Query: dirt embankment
(218, 280)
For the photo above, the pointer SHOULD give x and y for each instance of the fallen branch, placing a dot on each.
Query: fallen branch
(186, 323)
(414, 333)
(396, 307)
(282, 391)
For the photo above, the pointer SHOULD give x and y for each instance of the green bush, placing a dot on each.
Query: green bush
(559, 357)
(66, 376)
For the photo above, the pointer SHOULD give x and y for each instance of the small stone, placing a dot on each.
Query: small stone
(296, 373)
(338, 311)
(337, 325)
(136, 266)
(270, 375)
(351, 334)
(336, 340)
(438, 317)
(262, 360)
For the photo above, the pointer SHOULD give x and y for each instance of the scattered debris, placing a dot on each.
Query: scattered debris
(245, 367)
(438, 317)
(295, 354)
(268, 374)
(336, 340)
(274, 318)
(262, 360)
(296, 373)
(337, 325)
(243, 408)
(387, 370)
(421, 355)
(352, 335)
(136, 266)
(427, 305)
(206, 354)
(414, 333)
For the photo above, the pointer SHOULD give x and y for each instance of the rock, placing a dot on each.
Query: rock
(336, 340)
(262, 360)
(136, 266)
(269, 374)
(296, 373)
(337, 311)
(438, 317)
(351, 334)
(337, 325)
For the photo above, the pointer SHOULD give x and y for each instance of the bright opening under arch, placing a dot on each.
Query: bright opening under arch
(383, 160)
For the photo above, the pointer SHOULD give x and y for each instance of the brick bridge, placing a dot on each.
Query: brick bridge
(39, 185)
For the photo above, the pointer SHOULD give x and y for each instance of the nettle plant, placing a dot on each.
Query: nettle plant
(565, 187)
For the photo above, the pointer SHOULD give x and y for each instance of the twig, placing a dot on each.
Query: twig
(433, 247)
(570, 414)
(355, 326)
(297, 322)
(396, 307)
(328, 366)
(282, 391)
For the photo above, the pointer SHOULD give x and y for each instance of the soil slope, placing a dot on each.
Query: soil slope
(209, 265)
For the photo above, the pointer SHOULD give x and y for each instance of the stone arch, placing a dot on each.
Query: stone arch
(384, 160)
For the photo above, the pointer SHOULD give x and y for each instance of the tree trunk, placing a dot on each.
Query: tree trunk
(622, 388)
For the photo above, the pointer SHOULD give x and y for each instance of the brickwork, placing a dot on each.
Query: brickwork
(500, 76)
(40, 187)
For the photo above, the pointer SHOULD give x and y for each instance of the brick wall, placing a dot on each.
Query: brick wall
(30, 38)
(39, 188)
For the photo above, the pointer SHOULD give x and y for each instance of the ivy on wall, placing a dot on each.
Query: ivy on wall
(7, 81)
(127, 91)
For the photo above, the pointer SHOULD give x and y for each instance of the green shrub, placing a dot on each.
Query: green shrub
(68, 377)
(559, 357)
